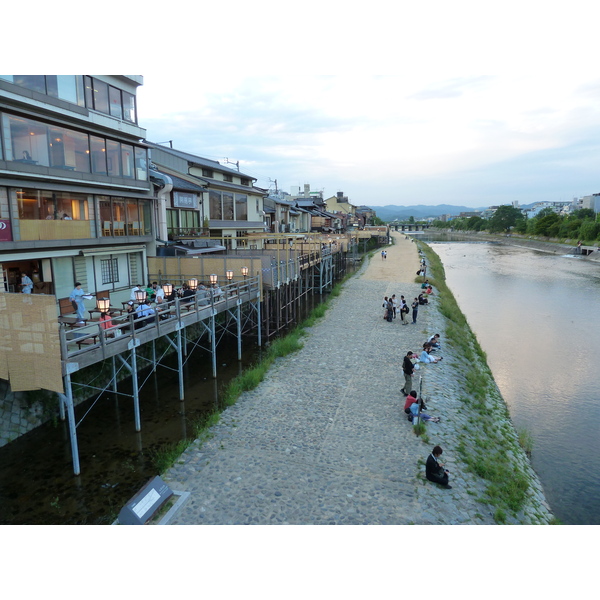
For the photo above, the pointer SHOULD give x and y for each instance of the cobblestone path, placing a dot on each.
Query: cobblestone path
(324, 438)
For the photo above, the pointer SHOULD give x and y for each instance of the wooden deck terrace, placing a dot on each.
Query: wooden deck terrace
(91, 343)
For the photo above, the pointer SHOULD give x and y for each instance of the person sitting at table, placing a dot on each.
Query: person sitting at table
(162, 309)
(145, 315)
(187, 295)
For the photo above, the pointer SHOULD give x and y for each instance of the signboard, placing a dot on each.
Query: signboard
(145, 503)
(181, 200)
(5, 231)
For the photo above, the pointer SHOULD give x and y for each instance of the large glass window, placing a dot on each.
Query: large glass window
(141, 164)
(113, 158)
(69, 150)
(241, 207)
(129, 107)
(32, 142)
(46, 205)
(100, 94)
(124, 216)
(215, 205)
(116, 106)
(109, 100)
(98, 154)
(228, 206)
(64, 87)
(126, 160)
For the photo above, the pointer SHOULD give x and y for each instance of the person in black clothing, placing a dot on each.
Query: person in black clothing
(415, 310)
(408, 368)
(434, 470)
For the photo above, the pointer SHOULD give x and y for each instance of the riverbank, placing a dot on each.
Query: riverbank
(324, 439)
(524, 241)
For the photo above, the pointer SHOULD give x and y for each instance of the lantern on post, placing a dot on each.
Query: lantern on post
(213, 279)
(245, 271)
(102, 304)
(229, 275)
(168, 289)
(193, 283)
(140, 296)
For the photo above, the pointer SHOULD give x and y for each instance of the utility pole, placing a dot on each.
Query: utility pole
(237, 164)
(275, 182)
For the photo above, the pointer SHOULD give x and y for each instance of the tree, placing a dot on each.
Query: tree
(504, 218)
(411, 219)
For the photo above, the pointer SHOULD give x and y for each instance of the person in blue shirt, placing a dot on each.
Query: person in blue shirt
(77, 297)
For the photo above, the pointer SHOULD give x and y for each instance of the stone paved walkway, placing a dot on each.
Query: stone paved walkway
(324, 438)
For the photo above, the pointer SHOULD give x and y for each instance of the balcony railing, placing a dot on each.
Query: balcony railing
(187, 232)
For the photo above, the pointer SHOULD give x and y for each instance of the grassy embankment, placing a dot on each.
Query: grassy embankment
(489, 445)
(166, 456)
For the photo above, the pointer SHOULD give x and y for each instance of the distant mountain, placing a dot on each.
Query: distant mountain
(419, 211)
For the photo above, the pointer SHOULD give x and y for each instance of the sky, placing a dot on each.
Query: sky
(463, 103)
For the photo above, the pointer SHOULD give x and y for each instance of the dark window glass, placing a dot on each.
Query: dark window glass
(100, 96)
(215, 205)
(228, 206)
(98, 154)
(116, 108)
(89, 92)
(36, 83)
(113, 158)
(241, 207)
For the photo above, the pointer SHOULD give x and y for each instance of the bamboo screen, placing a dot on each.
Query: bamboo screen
(29, 342)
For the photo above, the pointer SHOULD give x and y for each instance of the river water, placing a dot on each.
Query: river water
(535, 315)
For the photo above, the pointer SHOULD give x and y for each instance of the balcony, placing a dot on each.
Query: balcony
(178, 233)
(32, 230)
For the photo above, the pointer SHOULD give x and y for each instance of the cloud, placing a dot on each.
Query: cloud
(454, 88)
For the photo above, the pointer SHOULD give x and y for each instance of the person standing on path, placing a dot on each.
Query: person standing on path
(415, 310)
(382, 254)
(409, 369)
(434, 470)
(394, 304)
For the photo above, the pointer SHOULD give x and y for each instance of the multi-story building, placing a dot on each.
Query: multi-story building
(75, 199)
(222, 199)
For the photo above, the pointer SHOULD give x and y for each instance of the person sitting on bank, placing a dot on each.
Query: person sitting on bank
(434, 469)
(429, 290)
(416, 409)
(434, 342)
(425, 284)
(422, 300)
(426, 355)
(410, 400)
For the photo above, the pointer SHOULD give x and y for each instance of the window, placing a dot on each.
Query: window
(228, 206)
(124, 216)
(215, 205)
(241, 207)
(63, 87)
(98, 154)
(245, 181)
(116, 105)
(227, 177)
(36, 143)
(46, 205)
(109, 269)
(109, 100)
(207, 173)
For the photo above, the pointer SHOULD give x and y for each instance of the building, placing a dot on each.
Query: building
(75, 199)
(198, 196)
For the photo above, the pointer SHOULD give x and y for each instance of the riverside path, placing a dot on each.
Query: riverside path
(324, 438)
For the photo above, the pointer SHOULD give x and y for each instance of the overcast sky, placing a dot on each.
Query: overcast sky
(472, 103)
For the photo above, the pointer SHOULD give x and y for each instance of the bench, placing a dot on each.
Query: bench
(65, 307)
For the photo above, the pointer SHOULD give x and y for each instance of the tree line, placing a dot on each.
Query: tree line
(582, 224)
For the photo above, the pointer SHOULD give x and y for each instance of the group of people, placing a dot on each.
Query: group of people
(393, 306)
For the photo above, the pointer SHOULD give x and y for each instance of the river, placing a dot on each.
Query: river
(535, 316)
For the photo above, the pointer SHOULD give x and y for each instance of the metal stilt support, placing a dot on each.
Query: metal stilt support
(239, 330)
(213, 345)
(68, 396)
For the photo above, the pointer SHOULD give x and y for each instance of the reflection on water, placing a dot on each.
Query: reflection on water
(534, 314)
